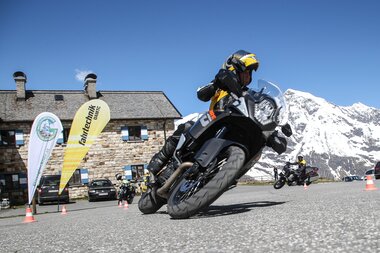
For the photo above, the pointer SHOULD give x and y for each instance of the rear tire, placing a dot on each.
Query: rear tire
(147, 205)
(179, 208)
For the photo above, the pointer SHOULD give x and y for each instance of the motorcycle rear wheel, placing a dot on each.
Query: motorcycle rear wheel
(191, 196)
(148, 205)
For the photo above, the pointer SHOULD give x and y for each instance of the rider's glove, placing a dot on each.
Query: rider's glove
(228, 81)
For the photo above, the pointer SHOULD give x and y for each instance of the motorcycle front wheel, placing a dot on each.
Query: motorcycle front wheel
(279, 183)
(130, 200)
(192, 195)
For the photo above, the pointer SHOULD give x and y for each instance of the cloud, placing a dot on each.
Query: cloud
(81, 74)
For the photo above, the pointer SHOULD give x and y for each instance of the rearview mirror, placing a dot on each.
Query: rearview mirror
(287, 130)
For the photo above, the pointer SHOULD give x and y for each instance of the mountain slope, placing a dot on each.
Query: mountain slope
(339, 140)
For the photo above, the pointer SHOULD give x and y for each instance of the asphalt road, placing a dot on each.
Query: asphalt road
(333, 217)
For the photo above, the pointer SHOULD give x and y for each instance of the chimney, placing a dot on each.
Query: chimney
(90, 85)
(20, 79)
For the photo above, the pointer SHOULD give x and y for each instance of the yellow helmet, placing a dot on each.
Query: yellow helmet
(241, 61)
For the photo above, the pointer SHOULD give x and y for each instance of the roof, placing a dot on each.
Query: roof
(122, 104)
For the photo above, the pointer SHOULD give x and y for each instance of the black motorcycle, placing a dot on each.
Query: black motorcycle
(292, 177)
(126, 191)
(218, 149)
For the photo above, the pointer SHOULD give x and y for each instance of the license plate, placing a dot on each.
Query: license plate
(53, 190)
(103, 194)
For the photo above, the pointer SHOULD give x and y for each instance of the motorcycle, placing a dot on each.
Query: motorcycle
(218, 149)
(292, 177)
(126, 191)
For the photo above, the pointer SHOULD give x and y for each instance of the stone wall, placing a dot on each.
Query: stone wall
(106, 157)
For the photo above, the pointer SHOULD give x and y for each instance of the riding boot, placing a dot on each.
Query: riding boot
(160, 159)
(157, 162)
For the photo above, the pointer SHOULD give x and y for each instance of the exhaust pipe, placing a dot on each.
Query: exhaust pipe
(163, 191)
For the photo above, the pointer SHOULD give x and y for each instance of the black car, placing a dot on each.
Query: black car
(347, 179)
(351, 178)
(48, 190)
(101, 189)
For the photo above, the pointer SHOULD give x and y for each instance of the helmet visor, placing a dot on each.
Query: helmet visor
(250, 62)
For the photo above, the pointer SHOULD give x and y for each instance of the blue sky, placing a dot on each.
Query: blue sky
(328, 48)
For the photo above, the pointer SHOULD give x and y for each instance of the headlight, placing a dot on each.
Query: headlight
(92, 191)
(264, 111)
(112, 190)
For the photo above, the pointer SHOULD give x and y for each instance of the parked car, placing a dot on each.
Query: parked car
(101, 189)
(48, 190)
(356, 178)
(351, 178)
(347, 179)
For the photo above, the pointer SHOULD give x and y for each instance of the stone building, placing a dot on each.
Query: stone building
(140, 122)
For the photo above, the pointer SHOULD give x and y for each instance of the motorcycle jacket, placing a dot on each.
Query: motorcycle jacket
(301, 164)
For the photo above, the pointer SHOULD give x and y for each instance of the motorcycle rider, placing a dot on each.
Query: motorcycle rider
(234, 76)
(216, 90)
(125, 187)
(301, 162)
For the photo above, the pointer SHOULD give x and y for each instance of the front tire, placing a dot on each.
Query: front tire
(191, 196)
(279, 183)
(40, 202)
(130, 199)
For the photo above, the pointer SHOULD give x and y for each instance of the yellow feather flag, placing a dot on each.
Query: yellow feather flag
(88, 123)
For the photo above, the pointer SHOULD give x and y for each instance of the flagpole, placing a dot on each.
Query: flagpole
(58, 202)
(34, 205)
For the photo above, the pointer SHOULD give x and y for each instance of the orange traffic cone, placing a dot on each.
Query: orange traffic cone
(120, 204)
(305, 186)
(126, 205)
(64, 211)
(370, 186)
(29, 216)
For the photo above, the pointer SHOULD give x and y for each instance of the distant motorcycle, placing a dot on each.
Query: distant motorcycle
(126, 191)
(291, 177)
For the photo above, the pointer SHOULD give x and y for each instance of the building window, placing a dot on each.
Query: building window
(11, 182)
(134, 133)
(65, 133)
(7, 138)
(76, 178)
(63, 136)
(137, 172)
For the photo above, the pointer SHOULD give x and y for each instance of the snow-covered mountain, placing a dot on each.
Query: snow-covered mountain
(339, 140)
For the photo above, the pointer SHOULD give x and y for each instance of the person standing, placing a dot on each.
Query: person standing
(275, 172)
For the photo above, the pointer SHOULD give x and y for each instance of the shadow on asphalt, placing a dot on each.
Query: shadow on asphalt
(50, 205)
(215, 211)
(56, 203)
